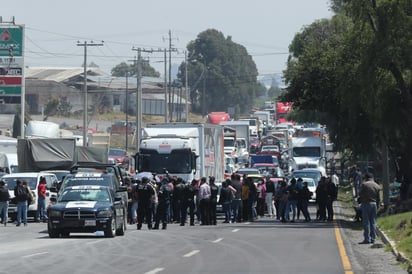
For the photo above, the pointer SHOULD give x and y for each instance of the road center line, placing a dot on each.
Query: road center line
(35, 254)
(156, 270)
(191, 253)
(217, 240)
(235, 230)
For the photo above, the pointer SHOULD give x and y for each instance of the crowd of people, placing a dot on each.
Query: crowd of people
(23, 198)
(155, 201)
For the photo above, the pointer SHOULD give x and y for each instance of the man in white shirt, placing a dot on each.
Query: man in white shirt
(204, 198)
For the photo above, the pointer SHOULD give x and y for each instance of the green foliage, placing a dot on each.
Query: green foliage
(57, 106)
(220, 73)
(399, 229)
(122, 69)
(355, 70)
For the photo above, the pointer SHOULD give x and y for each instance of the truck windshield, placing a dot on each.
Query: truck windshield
(229, 142)
(306, 152)
(175, 162)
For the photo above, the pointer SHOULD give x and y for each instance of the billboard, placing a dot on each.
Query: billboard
(11, 63)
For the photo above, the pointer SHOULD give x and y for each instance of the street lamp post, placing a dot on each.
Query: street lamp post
(127, 108)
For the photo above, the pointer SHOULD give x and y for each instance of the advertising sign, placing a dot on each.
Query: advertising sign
(11, 63)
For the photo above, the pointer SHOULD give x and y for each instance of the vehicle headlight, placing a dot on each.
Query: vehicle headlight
(104, 214)
(55, 213)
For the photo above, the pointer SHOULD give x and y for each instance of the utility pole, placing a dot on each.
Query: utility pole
(127, 108)
(186, 89)
(171, 98)
(86, 44)
(139, 92)
(166, 101)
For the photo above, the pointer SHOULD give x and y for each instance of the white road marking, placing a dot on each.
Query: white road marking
(94, 242)
(156, 270)
(35, 254)
(247, 223)
(217, 240)
(191, 253)
(235, 230)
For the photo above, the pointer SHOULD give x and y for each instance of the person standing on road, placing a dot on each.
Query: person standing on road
(21, 193)
(190, 192)
(293, 195)
(236, 202)
(4, 202)
(270, 190)
(322, 198)
(41, 201)
(225, 200)
(164, 196)
(369, 200)
(144, 207)
(213, 200)
(204, 201)
(332, 196)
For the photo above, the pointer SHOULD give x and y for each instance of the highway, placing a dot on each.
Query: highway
(263, 246)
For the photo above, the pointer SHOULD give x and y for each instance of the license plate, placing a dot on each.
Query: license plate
(89, 222)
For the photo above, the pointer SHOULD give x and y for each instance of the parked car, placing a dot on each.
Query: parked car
(314, 173)
(255, 144)
(248, 171)
(118, 156)
(87, 209)
(33, 179)
(311, 186)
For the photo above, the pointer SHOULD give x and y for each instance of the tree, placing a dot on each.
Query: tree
(355, 69)
(121, 69)
(221, 74)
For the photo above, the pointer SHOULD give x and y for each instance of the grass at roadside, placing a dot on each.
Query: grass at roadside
(398, 227)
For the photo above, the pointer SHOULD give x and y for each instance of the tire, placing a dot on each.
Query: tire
(65, 234)
(110, 232)
(53, 233)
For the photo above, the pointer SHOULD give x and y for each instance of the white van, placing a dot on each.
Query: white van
(33, 178)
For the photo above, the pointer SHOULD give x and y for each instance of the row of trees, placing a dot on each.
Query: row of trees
(353, 73)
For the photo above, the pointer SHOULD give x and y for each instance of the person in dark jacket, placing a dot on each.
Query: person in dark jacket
(225, 200)
(213, 200)
(322, 198)
(4, 202)
(190, 195)
(144, 210)
(21, 193)
(178, 196)
(332, 196)
(164, 196)
(293, 196)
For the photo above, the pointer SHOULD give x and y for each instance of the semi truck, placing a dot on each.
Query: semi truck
(8, 154)
(282, 109)
(242, 141)
(217, 117)
(307, 152)
(186, 150)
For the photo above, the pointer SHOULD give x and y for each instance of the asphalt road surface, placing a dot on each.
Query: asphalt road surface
(263, 246)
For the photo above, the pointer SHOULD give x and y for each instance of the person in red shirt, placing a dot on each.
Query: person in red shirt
(41, 201)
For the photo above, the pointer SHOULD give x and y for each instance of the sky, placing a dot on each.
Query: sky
(54, 28)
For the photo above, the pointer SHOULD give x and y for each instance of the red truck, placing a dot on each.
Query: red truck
(217, 117)
(282, 109)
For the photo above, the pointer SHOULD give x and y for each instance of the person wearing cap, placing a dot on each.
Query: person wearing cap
(369, 199)
(41, 201)
(4, 202)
